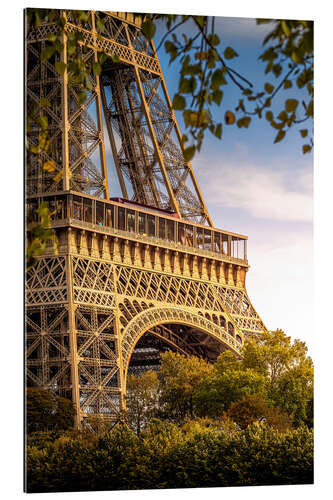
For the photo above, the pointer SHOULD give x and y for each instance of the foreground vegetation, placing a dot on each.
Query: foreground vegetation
(192, 424)
(165, 456)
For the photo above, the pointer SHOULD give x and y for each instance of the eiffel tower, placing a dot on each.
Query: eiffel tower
(134, 275)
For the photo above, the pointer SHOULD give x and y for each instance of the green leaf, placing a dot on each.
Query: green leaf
(173, 52)
(97, 68)
(217, 96)
(71, 47)
(244, 122)
(100, 25)
(269, 88)
(169, 46)
(47, 52)
(58, 177)
(51, 37)
(49, 166)
(187, 85)
(201, 55)
(200, 20)
(229, 53)
(60, 67)
(148, 28)
(304, 78)
(217, 79)
(296, 57)
(87, 83)
(44, 103)
(218, 131)
(283, 116)
(82, 97)
(34, 149)
(190, 69)
(102, 57)
(38, 20)
(279, 136)
(213, 39)
(115, 58)
(43, 122)
(304, 132)
(285, 28)
(202, 118)
(309, 110)
(189, 153)
(229, 117)
(269, 116)
(179, 102)
(291, 105)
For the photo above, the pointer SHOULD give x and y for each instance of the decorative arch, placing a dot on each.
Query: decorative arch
(155, 316)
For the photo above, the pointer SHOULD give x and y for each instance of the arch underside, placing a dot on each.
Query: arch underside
(185, 339)
(156, 330)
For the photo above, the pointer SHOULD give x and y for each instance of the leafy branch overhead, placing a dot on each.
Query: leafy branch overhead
(206, 68)
(40, 234)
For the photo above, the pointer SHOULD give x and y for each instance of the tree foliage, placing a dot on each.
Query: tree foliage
(180, 377)
(206, 68)
(142, 399)
(253, 408)
(165, 456)
(274, 372)
(39, 235)
(44, 411)
(289, 372)
(229, 382)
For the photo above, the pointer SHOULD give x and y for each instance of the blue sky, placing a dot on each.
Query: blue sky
(257, 188)
(264, 190)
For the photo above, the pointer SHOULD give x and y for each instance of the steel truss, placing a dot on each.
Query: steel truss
(108, 302)
(88, 310)
(141, 125)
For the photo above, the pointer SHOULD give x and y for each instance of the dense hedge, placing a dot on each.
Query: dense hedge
(166, 456)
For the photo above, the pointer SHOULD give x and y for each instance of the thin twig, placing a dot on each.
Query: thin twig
(170, 31)
(221, 59)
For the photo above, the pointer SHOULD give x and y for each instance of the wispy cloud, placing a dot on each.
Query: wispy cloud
(280, 194)
(242, 27)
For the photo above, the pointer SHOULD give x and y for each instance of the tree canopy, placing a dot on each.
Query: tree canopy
(274, 373)
(44, 411)
(207, 67)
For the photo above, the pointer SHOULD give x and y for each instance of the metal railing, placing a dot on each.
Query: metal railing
(150, 240)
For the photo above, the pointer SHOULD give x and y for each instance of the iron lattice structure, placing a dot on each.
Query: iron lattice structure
(129, 278)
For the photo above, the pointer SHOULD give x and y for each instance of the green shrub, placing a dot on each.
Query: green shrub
(165, 456)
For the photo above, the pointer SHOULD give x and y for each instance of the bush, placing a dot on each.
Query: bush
(165, 456)
(46, 412)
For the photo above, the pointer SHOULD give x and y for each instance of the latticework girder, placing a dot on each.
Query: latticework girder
(126, 282)
(142, 129)
(95, 312)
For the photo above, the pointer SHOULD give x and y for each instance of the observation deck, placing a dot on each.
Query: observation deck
(128, 220)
